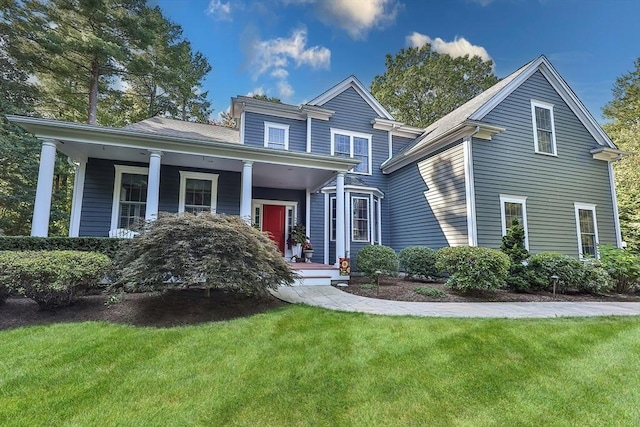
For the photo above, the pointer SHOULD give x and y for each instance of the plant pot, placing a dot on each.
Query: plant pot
(308, 255)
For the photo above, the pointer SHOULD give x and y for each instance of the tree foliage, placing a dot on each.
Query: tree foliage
(217, 251)
(420, 85)
(624, 130)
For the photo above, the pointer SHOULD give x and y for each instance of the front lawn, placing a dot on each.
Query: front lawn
(307, 366)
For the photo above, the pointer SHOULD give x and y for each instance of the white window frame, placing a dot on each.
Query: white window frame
(587, 207)
(504, 198)
(332, 231)
(549, 107)
(351, 135)
(268, 125)
(184, 175)
(368, 210)
(117, 185)
(257, 205)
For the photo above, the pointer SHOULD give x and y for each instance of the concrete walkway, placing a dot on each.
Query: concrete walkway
(335, 299)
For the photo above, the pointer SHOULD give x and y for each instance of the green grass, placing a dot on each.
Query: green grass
(307, 366)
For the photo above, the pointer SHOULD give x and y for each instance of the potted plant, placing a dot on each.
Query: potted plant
(307, 250)
(298, 238)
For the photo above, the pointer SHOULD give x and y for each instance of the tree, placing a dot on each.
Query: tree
(513, 244)
(263, 97)
(624, 130)
(420, 86)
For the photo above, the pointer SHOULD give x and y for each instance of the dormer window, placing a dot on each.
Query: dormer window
(544, 133)
(276, 136)
(352, 145)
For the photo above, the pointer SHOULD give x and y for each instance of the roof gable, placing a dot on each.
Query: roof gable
(352, 82)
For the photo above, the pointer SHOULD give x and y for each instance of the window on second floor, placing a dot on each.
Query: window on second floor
(544, 133)
(276, 136)
(352, 145)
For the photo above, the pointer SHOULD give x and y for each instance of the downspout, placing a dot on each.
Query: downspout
(472, 230)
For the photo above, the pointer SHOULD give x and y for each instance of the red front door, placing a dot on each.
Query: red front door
(273, 222)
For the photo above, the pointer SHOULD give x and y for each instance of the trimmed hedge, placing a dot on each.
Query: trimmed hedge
(377, 258)
(51, 278)
(543, 265)
(418, 261)
(104, 245)
(623, 267)
(472, 268)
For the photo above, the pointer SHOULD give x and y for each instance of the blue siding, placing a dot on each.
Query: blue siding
(95, 219)
(316, 231)
(298, 196)
(508, 165)
(254, 130)
(399, 143)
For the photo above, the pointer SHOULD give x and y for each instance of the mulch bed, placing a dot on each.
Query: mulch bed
(399, 289)
(175, 308)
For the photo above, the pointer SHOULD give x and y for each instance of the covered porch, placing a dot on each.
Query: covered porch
(123, 175)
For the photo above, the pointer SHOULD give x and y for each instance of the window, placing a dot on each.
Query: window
(514, 207)
(276, 136)
(544, 134)
(332, 224)
(129, 196)
(198, 192)
(352, 145)
(360, 219)
(587, 230)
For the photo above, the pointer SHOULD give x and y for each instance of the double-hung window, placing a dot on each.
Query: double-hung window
(587, 228)
(512, 208)
(129, 196)
(276, 136)
(198, 192)
(360, 219)
(352, 145)
(544, 133)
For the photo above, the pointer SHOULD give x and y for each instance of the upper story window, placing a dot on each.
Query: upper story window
(514, 207)
(353, 145)
(587, 227)
(544, 133)
(129, 197)
(276, 136)
(198, 192)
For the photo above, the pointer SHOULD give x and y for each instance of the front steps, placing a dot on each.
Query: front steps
(313, 274)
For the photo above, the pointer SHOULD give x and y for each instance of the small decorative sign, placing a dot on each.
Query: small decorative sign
(345, 267)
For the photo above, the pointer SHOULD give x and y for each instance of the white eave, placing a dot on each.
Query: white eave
(608, 154)
(396, 128)
(67, 132)
(252, 105)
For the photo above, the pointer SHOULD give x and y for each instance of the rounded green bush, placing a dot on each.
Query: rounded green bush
(596, 280)
(418, 261)
(570, 271)
(51, 278)
(473, 268)
(623, 267)
(376, 258)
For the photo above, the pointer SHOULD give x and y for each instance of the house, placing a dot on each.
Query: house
(526, 148)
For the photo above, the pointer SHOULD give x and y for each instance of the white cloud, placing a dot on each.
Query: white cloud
(279, 73)
(284, 89)
(457, 47)
(219, 10)
(257, 91)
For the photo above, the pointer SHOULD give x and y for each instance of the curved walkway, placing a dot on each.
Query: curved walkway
(335, 299)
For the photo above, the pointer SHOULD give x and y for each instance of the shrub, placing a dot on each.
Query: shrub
(430, 292)
(103, 245)
(217, 251)
(473, 268)
(376, 258)
(51, 278)
(623, 267)
(543, 265)
(595, 279)
(513, 244)
(418, 261)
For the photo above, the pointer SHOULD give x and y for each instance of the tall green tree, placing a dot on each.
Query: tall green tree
(624, 130)
(420, 85)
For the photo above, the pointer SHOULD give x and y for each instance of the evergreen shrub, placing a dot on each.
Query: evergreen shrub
(472, 268)
(418, 261)
(377, 259)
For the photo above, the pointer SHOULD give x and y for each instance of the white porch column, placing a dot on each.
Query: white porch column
(153, 186)
(42, 206)
(340, 218)
(245, 194)
(76, 203)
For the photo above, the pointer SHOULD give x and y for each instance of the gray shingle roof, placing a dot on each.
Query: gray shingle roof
(182, 129)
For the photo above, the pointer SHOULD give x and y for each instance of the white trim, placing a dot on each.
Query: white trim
(280, 126)
(307, 212)
(331, 230)
(586, 207)
(379, 199)
(153, 186)
(505, 198)
(288, 252)
(390, 145)
(614, 200)
(340, 218)
(348, 232)
(327, 215)
(308, 134)
(548, 107)
(275, 202)
(353, 199)
(78, 194)
(242, 125)
(470, 192)
(117, 185)
(355, 189)
(371, 217)
(351, 136)
(353, 82)
(213, 178)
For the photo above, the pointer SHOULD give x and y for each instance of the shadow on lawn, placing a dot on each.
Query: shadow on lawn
(175, 308)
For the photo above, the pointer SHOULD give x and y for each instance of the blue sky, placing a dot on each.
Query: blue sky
(296, 49)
